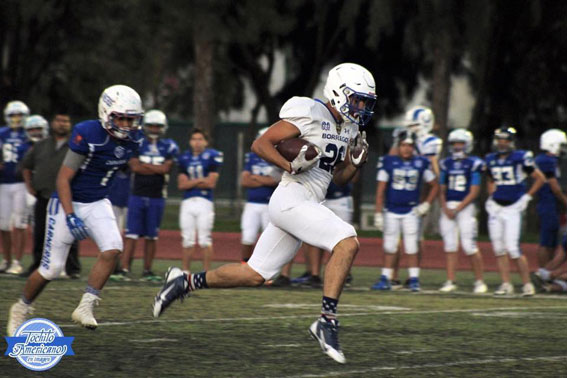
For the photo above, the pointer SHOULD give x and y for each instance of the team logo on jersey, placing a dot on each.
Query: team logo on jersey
(418, 163)
(39, 344)
(457, 165)
(119, 152)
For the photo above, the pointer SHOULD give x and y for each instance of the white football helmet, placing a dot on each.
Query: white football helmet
(463, 136)
(11, 112)
(351, 90)
(420, 120)
(553, 141)
(120, 101)
(155, 117)
(36, 128)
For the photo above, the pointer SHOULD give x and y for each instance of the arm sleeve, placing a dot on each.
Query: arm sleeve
(443, 178)
(528, 162)
(475, 178)
(173, 151)
(382, 175)
(428, 175)
(73, 160)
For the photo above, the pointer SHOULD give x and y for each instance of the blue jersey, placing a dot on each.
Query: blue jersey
(200, 166)
(547, 164)
(509, 174)
(120, 188)
(104, 156)
(404, 179)
(459, 174)
(14, 144)
(257, 166)
(334, 191)
(154, 186)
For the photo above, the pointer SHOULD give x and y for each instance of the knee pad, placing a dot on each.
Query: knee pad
(50, 270)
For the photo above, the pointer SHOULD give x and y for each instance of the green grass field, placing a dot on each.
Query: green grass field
(263, 331)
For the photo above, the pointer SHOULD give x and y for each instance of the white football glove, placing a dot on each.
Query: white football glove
(524, 201)
(379, 221)
(300, 164)
(30, 199)
(422, 208)
(359, 143)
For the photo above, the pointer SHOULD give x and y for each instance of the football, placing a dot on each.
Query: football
(289, 148)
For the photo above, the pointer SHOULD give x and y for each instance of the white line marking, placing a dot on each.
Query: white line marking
(260, 318)
(284, 345)
(308, 306)
(154, 340)
(531, 315)
(434, 365)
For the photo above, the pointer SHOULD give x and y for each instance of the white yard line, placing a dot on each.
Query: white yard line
(486, 361)
(261, 318)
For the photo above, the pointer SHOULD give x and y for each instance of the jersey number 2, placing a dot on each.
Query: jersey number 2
(327, 163)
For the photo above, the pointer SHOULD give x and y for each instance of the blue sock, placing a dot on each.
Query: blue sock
(329, 308)
(198, 281)
(92, 290)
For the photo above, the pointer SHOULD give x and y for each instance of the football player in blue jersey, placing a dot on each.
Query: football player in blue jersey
(460, 180)
(420, 120)
(13, 213)
(79, 208)
(260, 178)
(398, 209)
(151, 167)
(198, 176)
(508, 169)
(550, 197)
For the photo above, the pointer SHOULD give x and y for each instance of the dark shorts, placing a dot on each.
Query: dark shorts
(548, 229)
(144, 216)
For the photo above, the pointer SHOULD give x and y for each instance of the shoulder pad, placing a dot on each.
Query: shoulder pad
(298, 107)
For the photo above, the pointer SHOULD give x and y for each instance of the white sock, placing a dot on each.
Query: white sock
(413, 272)
(544, 274)
(387, 272)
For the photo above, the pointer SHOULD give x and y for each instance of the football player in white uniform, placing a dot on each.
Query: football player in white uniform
(296, 212)
(460, 179)
(419, 119)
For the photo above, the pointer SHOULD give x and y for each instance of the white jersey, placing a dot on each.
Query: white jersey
(317, 125)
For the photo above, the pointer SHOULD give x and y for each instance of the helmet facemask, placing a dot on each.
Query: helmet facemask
(150, 130)
(123, 126)
(359, 107)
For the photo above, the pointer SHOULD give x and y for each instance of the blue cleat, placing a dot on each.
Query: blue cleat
(301, 279)
(382, 284)
(414, 284)
(326, 332)
(175, 287)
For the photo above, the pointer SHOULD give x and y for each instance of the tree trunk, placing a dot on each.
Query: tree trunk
(203, 99)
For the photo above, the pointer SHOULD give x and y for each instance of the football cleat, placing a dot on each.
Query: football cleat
(539, 283)
(528, 290)
(382, 284)
(84, 314)
(326, 332)
(348, 281)
(480, 287)
(15, 268)
(314, 282)
(18, 314)
(505, 288)
(175, 287)
(281, 281)
(148, 275)
(448, 287)
(301, 279)
(396, 285)
(414, 284)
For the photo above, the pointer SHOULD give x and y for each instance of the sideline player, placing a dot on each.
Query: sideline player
(198, 176)
(419, 119)
(13, 207)
(507, 170)
(296, 213)
(260, 178)
(398, 209)
(460, 179)
(550, 197)
(151, 167)
(79, 208)
(553, 276)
